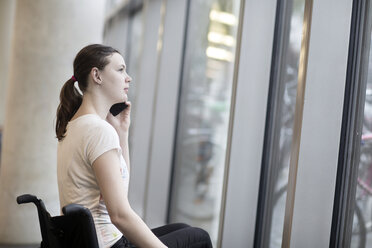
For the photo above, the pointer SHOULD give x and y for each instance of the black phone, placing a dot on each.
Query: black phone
(117, 108)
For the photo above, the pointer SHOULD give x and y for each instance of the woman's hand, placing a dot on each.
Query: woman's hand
(121, 122)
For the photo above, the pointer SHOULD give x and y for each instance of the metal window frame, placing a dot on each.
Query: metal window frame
(164, 111)
(321, 124)
(297, 126)
(269, 155)
(145, 95)
(348, 161)
(127, 7)
(247, 124)
(173, 168)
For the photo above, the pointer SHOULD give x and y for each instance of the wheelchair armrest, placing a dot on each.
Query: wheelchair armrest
(26, 198)
(73, 209)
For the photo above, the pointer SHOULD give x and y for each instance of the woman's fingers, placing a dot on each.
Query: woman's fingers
(122, 120)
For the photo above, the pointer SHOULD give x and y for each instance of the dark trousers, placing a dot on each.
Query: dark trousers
(176, 236)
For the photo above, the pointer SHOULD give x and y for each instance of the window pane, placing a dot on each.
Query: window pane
(362, 222)
(204, 113)
(283, 123)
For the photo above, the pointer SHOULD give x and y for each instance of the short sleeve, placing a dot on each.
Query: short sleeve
(100, 139)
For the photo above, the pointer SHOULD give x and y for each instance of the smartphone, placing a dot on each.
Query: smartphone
(117, 108)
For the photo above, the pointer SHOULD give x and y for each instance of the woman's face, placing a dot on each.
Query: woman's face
(115, 79)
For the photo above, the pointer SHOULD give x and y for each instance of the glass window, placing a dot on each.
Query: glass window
(362, 222)
(203, 119)
(280, 121)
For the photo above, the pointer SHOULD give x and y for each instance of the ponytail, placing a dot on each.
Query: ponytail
(94, 55)
(70, 101)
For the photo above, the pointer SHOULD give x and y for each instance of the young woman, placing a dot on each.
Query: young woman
(93, 156)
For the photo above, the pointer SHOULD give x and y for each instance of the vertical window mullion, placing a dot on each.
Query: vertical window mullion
(274, 159)
(352, 123)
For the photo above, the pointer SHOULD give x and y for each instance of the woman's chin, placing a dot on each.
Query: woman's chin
(121, 99)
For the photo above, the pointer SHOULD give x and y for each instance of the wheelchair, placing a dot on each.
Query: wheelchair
(74, 229)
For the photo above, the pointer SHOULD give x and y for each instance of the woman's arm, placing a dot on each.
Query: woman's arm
(107, 170)
(124, 144)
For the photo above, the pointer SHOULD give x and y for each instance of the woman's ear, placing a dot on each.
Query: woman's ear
(96, 75)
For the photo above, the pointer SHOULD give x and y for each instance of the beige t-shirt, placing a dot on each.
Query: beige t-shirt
(88, 137)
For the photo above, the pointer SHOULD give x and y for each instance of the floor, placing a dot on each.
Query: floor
(19, 246)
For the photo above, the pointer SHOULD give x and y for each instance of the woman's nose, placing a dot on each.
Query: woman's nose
(128, 79)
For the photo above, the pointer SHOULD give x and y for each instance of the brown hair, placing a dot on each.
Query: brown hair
(95, 55)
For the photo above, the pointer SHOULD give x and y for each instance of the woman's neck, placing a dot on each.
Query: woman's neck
(92, 105)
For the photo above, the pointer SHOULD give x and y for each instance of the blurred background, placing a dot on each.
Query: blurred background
(251, 119)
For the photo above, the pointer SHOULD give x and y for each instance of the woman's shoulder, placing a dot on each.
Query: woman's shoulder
(91, 125)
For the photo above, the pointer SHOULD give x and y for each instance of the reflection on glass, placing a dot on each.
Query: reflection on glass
(285, 117)
(362, 222)
(204, 113)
